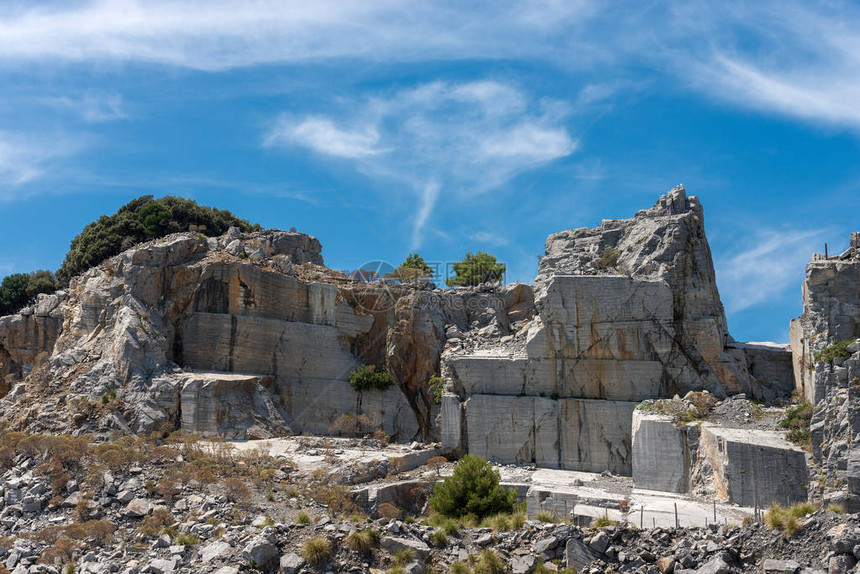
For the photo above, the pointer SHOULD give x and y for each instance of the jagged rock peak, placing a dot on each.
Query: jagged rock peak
(657, 242)
(675, 202)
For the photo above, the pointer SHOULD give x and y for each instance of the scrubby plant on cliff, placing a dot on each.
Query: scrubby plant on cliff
(838, 350)
(608, 258)
(472, 490)
(139, 220)
(436, 384)
(477, 268)
(368, 377)
(796, 422)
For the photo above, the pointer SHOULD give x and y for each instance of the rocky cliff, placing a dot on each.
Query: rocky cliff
(827, 370)
(249, 335)
(243, 336)
(624, 312)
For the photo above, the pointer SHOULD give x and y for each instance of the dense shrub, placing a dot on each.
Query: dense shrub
(473, 489)
(363, 541)
(139, 220)
(477, 268)
(366, 377)
(237, 491)
(436, 384)
(787, 519)
(19, 289)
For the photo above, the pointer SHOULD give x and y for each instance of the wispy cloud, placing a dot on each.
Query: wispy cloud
(25, 158)
(225, 34)
(439, 138)
(794, 58)
(767, 270)
(791, 57)
(489, 238)
(323, 136)
(93, 108)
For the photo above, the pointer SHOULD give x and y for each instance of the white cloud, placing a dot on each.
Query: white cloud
(429, 196)
(439, 138)
(795, 58)
(767, 270)
(791, 57)
(223, 33)
(322, 136)
(528, 141)
(26, 158)
(91, 107)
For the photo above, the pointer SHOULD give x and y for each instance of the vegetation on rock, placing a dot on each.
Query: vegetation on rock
(367, 377)
(413, 268)
(140, 220)
(787, 519)
(838, 350)
(18, 289)
(608, 258)
(473, 489)
(477, 268)
(796, 422)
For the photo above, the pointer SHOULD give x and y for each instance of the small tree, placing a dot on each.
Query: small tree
(13, 292)
(477, 268)
(472, 489)
(41, 281)
(415, 261)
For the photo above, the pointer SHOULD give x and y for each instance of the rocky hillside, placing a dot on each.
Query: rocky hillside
(242, 336)
(137, 506)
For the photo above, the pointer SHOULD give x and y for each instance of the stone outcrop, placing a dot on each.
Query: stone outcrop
(831, 315)
(27, 337)
(624, 312)
(573, 434)
(243, 336)
(249, 335)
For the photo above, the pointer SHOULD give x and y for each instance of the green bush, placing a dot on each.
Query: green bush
(13, 293)
(18, 289)
(477, 268)
(363, 541)
(366, 377)
(473, 489)
(139, 220)
(837, 350)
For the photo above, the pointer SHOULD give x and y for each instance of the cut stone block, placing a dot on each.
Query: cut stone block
(661, 457)
(754, 467)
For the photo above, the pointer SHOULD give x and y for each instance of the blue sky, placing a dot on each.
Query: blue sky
(386, 127)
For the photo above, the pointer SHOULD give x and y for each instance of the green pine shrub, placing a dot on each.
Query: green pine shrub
(473, 489)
